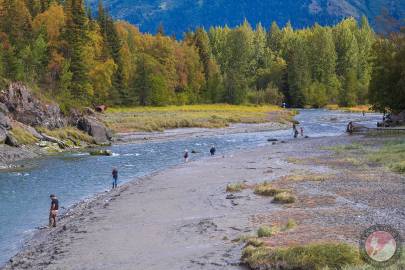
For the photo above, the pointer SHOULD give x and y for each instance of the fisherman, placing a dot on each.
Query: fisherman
(115, 178)
(213, 150)
(53, 211)
(302, 131)
(295, 131)
(349, 128)
(185, 155)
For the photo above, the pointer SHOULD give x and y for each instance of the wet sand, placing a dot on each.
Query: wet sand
(182, 218)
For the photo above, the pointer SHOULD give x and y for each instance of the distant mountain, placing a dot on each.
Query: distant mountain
(178, 16)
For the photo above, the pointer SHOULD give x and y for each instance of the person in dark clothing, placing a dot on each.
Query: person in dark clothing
(185, 155)
(115, 178)
(53, 212)
(213, 150)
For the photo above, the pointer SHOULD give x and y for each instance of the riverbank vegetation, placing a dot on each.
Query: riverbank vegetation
(204, 116)
(313, 256)
(78, 59)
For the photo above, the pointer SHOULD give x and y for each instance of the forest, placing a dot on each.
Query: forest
(68, 54)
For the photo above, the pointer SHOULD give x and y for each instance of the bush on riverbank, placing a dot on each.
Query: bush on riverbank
(314, 256)
(202, 116)
(22, 136)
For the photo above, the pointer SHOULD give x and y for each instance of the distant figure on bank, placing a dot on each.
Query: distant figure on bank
(364, 114)
(185, 155)
(53, 211)
(302, 131)
(115, 178)
(213, 150)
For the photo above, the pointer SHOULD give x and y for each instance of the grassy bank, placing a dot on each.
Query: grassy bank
(357, 108)
(204, 116)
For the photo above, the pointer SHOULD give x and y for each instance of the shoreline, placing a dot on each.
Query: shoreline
(42, 250)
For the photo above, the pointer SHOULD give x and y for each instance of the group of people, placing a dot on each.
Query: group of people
(296, 132)
(53, 211)
(186, 154)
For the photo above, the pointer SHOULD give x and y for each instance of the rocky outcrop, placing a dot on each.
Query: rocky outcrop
(19, 104)
(24, 107)
(95, 128)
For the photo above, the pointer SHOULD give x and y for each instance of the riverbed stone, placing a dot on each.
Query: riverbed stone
(4, 121)
(11, 141)
(3, 108)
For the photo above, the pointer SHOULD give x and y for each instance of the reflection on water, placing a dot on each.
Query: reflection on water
(24, 194)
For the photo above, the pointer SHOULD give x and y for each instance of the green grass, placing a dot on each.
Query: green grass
(284, 197)
(391, 155)
(236, 187)
(204, 116)
(344, 147)
(69, 133)
(23, 136)
(266, 189)
(313, 256)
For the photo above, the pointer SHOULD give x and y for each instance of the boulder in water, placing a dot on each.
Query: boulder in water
(272, 140)
(101, 153)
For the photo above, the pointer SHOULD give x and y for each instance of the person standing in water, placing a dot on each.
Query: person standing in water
(53, 211)
(212, 150)
(302, 131)
(115, 178)
(295, 131)
(185, 155)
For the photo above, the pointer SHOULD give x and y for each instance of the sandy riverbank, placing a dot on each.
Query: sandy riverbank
(181, 218)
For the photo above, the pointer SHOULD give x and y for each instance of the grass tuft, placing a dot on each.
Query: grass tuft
(284, 197)
(313, 256)
(267, 231)
(23, 136)
(265, 189)
(291, 224)
(236, 187)
(392, 155)
(69, 133)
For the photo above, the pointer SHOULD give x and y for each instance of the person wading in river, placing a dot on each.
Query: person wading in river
(115, 178)
(213, 150)
(185, 155)
(53, 211)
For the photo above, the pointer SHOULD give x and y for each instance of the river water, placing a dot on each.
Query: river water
(24, 195)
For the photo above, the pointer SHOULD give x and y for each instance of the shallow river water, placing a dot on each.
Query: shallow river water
(24, 195)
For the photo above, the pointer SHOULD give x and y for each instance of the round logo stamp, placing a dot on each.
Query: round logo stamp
(380, 245)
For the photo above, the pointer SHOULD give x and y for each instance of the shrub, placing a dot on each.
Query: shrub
(291, 224)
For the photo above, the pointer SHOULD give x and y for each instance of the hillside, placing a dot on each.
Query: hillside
(178, 16)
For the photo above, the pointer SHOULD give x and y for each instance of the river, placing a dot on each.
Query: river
(24, 195)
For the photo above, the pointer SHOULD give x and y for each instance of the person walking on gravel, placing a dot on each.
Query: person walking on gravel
(53, 211)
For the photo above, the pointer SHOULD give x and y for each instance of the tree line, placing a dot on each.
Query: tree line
(60, 48)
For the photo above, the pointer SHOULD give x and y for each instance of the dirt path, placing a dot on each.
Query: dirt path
(181, 218)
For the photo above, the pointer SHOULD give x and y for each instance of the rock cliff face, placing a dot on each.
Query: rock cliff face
(27, 109)
(19, 105)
